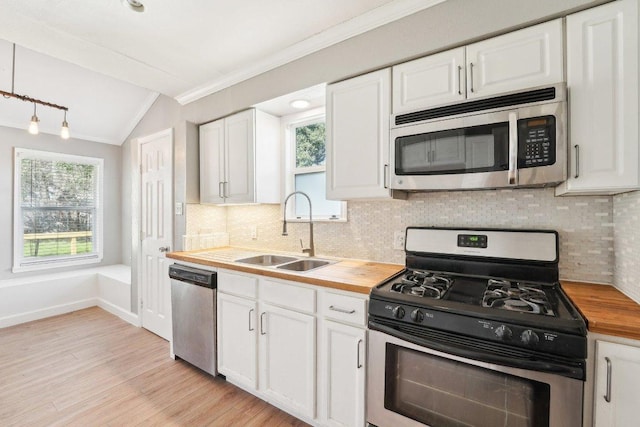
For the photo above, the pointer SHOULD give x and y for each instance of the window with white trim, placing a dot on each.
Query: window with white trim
(306, 168)
(57, 210)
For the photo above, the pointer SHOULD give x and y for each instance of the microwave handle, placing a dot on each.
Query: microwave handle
(513, 148)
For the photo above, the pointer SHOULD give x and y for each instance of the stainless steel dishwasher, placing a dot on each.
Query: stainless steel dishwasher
(193, 303)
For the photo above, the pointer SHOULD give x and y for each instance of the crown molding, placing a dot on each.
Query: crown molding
(368, 21)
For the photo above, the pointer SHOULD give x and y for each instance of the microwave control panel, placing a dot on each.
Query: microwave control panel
(536, 141)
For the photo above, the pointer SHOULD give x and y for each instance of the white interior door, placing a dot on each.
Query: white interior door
(156, 225)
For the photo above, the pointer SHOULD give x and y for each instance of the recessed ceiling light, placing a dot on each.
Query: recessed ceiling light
(299, 103)
(134, 5)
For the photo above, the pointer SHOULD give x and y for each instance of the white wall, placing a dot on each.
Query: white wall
(11, 138)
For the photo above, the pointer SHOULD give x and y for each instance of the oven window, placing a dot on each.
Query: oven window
(474, 149)
(441, 392)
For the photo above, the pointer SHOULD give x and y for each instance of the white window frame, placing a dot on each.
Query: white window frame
(289, 123)
(19, 264)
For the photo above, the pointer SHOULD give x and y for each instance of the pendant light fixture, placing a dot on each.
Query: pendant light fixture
(33, 126)
(64, 132)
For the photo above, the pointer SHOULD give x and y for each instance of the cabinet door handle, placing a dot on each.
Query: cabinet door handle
(385, 176)
(225, 189)
(341, 310)
(607, 396)
(471, 74)
(459, 80)
(262, 332)
(358, 364)
(577, 148)
(220, 190)
(250, 328)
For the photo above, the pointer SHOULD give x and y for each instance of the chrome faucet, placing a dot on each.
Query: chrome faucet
(310, 250)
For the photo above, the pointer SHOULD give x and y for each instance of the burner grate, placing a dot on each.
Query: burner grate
(517, 296)
(423, 284)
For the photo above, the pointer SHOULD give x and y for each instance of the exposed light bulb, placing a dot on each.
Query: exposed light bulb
(33, 126)
(64, 132)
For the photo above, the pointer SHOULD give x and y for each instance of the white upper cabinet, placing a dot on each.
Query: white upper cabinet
(240, 159)
(602, 79)
(522, 59)
(358, 137)
(434, 80)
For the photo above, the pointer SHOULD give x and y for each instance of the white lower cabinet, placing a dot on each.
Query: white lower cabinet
(617, 385)
(237, 343)
(287, 358)
(344, 350)
(276, 341)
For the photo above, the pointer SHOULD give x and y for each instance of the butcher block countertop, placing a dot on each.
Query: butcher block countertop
(607, 310)
(344, 274)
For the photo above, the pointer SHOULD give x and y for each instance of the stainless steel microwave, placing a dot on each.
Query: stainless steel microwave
(515, 140)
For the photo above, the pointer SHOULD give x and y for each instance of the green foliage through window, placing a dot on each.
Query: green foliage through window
(310, 145)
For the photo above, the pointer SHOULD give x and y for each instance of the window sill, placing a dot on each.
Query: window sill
(56, 264)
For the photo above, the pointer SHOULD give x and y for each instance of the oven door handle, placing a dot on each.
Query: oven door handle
(470, 351)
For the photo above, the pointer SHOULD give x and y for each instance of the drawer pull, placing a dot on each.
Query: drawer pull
(341, 310)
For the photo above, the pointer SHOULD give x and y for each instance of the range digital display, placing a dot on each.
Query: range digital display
(472, 240)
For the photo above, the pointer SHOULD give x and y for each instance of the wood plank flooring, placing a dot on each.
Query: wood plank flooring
(90, 368)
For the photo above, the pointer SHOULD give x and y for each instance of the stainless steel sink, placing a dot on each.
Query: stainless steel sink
(304, 264)
(267, 260)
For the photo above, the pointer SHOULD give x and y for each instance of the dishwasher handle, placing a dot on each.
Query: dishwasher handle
(194, 276)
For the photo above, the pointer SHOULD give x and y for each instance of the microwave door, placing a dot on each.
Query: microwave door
(467, 152)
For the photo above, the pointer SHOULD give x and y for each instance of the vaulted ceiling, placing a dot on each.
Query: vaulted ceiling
(109, 63)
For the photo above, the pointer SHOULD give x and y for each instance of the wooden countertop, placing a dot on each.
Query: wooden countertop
(345, 274)
(607, 310)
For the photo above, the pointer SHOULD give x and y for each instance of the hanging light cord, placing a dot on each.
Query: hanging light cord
(25, 98)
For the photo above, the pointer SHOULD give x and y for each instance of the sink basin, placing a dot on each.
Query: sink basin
(267, 260)
(304, 264)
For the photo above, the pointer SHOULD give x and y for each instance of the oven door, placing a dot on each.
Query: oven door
(410, 385)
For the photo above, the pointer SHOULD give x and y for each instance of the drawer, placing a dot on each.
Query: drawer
(344, 308)
(237, 284)
(285, 295)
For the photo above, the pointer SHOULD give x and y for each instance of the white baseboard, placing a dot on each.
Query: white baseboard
(125, 315)
(47, 312)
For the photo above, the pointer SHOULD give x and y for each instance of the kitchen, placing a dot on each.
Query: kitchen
(596, 232)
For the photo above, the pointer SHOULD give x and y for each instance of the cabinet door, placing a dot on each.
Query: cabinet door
(211, 162)
(239, 184)
(237, 339)
(344, 357)
(618, 366)
(426, 82)
(526, 58)
(287, 358)
(358, 137)
(602, 78)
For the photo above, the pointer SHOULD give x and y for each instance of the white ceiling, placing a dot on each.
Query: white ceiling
(185, 49)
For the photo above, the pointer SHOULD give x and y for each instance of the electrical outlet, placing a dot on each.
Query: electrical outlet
(254, 232)
(179, 210)
(398, 240)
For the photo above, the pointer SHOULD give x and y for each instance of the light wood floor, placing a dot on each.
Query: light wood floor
(90, 368)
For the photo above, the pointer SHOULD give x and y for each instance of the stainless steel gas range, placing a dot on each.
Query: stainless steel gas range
(475, 332)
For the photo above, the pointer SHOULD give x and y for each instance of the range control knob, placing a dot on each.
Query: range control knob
(417, 316)
(503, 333)
(529, 338)
(398, 312)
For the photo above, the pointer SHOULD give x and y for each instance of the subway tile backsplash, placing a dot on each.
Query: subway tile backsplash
(585, 225)
(626, 212)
